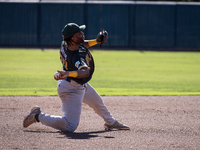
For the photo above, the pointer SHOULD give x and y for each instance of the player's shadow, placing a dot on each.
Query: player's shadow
(41, 131)
(76, 135)
(85, 135)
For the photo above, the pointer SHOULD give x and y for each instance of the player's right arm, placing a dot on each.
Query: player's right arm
(83, 73)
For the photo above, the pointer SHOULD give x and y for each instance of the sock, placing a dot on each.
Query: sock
(36, 117)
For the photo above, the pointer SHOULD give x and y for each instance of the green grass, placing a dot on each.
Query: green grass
(30, 72)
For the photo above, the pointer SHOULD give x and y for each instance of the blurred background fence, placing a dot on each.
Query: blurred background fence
(130, 24)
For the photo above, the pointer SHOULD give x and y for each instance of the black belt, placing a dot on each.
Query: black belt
(68, 79)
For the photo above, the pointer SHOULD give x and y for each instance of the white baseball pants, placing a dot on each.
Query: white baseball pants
(72, 95)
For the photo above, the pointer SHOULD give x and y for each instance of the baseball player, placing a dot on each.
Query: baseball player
(73, 87)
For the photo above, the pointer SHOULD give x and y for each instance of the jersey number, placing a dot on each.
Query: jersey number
(64, 62)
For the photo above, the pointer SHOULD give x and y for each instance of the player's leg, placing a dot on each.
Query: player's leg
(94, 100)
(71, 95)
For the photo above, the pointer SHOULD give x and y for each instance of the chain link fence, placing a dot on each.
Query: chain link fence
(81, 1)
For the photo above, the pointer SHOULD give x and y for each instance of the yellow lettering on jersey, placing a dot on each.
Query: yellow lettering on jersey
(64, 62)
(88, 59)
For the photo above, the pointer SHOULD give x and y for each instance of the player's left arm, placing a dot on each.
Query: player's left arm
(102, 37)
(89, 43)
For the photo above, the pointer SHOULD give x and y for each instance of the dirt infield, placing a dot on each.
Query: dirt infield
(156, 122)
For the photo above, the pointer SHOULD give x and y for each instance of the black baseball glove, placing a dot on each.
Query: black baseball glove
(102, 37)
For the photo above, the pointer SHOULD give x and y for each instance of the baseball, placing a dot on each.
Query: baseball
(56, 75)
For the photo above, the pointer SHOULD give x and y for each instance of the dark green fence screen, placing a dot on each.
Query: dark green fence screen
(130, 25)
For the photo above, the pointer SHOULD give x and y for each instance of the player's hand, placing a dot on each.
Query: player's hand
(102, 37)
(60, 75)
(57, 76)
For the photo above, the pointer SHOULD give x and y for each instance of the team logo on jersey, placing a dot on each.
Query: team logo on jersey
(77, 64)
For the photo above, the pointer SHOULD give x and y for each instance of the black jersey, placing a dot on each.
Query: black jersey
(76, 60)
